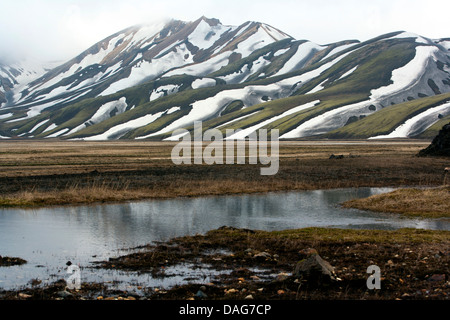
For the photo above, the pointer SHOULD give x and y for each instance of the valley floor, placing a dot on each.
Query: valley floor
(415, 264)
(41, 173)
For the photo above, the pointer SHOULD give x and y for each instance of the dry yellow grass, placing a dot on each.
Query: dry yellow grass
(429, 202)
(41, 173)
(83, 195)
(71, 195)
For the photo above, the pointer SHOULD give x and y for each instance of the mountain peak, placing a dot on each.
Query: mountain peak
(211, 21)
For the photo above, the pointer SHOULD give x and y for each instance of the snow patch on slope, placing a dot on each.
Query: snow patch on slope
(349, 72)
(325, 122)
(203, 83)
(246, 71)
(163, 90)
(338, 49)
(104, 112)
(307, 76)
(419, 39)
(146, 70)
(318, 88)
(58, 133)
(204, 36)
(423, 120)
(119, 130)
(281, 52)
(173, 110)
(408, 75)
(38, 125)
(5, 116)
(238, 119)
(402, 78)
(203, 68)
(247, 131)
(88, 60)
(303, 51)
(444, 42)
(36, 110)
(256, 41)
(207, 108)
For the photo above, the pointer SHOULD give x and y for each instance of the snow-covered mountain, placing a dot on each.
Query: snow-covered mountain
(17, 74)
(136, 55)
(142, 84)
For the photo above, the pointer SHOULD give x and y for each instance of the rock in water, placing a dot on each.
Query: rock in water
(315, 269)
(440, 146)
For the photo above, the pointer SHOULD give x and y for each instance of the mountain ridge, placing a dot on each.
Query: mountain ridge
(140, 84)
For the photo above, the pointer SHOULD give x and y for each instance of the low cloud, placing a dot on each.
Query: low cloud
(59, 30)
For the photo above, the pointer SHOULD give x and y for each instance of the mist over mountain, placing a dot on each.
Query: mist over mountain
(142, 84)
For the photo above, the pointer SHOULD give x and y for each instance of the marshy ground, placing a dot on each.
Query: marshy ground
(414, 263)
(414, 266)
(60, 172)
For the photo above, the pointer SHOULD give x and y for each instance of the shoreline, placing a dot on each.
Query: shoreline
(390, 202)
(12, 202)
(413, 262)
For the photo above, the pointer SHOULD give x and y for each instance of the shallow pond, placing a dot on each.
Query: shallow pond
(47, 238)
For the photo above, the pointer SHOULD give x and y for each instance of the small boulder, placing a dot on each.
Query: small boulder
(262, 255)
(282, 277)
(436, 278)
(64, 294)
(201, 295)
(230, 291)
(339, 156)
(314, 269)
(24, 296)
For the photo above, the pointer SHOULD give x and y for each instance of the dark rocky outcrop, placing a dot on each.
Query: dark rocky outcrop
(11, 261)
(440, 146)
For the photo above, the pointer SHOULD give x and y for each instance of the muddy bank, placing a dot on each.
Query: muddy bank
(260, 265)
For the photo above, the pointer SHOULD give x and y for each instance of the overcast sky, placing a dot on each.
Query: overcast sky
(61, 29)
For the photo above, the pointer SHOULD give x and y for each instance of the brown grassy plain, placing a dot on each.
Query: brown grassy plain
(40, 173)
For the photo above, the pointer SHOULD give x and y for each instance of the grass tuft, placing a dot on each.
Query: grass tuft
(74, 194)
(412, 202)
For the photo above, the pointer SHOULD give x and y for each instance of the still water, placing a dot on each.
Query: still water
(48, 238)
